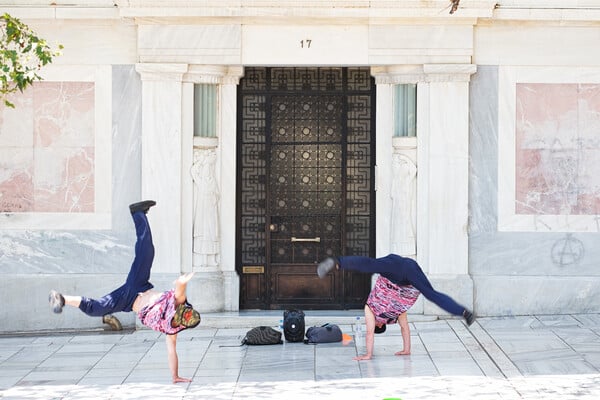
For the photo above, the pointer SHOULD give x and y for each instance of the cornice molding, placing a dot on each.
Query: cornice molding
(403, 74)
(161, 71)
(214, 74)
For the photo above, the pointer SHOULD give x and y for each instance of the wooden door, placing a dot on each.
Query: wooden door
(306, 156)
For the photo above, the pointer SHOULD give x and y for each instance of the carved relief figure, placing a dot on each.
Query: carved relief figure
(206, 208)
(403, 218)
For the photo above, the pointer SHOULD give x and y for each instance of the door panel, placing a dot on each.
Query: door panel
(306, 180)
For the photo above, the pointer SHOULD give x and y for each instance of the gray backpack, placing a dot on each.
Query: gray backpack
(327, 333)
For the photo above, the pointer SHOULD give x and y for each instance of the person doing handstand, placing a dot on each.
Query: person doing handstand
(167, 312)
(397, 288)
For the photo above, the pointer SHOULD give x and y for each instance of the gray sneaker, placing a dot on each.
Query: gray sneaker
(469, 317)
(57, 301)
(325, 266)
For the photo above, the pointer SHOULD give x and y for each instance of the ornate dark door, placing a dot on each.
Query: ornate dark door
(306, 178)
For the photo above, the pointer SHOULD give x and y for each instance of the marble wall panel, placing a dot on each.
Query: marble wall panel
(548, 147)
(86, 251)
(54, 172)
(305, 45)
(557, 148)
(518, 272)
(194, 44)
(420, 44)
(105, 40)
(524, 43)
(79, 261)
(526, 295)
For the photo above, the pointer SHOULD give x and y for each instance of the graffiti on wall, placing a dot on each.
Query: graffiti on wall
(557, 149)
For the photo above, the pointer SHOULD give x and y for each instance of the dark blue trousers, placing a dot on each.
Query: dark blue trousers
(138, 280)
(402, 271)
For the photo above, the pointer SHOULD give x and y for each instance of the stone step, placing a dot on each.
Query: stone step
(249, 319)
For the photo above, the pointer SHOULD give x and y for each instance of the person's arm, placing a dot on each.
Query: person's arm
(171, 341)
(180, 287)
(370, 335)
(404, 328)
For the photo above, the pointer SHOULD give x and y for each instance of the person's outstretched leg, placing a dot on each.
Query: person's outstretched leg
(447, 303)
(121, 298)
(390, 265)
(139, 274)
(138, 278)
(401, 271)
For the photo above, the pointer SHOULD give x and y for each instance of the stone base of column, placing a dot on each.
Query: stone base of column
(206, 291)
(459, 287)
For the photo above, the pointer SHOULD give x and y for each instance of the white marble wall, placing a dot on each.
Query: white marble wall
(144, 67)
(80, 261)
(517, 271)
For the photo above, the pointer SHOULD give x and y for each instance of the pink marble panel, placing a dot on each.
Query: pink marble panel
(16, 124)
(64, 114)
(67, 181)
(16, 183)
(557, 148)
(47, 149)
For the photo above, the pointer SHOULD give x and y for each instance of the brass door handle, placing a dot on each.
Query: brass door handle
(295, 239)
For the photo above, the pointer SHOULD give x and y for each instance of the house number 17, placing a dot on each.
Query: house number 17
(305, 43)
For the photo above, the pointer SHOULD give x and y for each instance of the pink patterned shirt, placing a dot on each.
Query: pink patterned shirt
(158, 316)
(388, 300)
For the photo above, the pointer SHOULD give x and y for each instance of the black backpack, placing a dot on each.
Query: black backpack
(262, 335)
(293, 325)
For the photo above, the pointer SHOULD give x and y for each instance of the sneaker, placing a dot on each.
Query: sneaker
(469, 317)
(143, 206)
(113, 322)
(325, 266)
(57, 301)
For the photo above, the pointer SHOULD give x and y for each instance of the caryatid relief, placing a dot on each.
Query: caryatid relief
(206, 208)
(403, 218)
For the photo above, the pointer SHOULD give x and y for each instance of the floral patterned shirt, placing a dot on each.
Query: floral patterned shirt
(158, 315)
(388, 300)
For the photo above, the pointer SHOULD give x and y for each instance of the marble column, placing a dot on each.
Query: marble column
(390, 152)
(228, 144)
(444, 144)
(441, 148)
(220, 282)
(161, 159)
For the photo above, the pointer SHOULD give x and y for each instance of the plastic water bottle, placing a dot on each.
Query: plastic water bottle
(358, 328)
(281, 330)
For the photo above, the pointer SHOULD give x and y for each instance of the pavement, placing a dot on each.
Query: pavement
(523, 357)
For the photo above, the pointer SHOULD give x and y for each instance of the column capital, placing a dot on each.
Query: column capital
(161, 72)
(214, 74)
(403, 74)
(449, 72)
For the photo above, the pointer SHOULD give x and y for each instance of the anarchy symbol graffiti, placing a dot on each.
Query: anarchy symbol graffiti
(567, 251)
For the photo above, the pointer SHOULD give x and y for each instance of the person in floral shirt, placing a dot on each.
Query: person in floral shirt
(397, 288)
(167, 312)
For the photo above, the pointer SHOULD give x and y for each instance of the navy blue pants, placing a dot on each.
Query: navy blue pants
(138, 280)
(402, 271)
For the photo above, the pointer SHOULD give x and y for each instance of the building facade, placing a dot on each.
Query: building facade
(275, 133)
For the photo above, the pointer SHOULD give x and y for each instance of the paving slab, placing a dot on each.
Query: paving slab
(525, 357)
